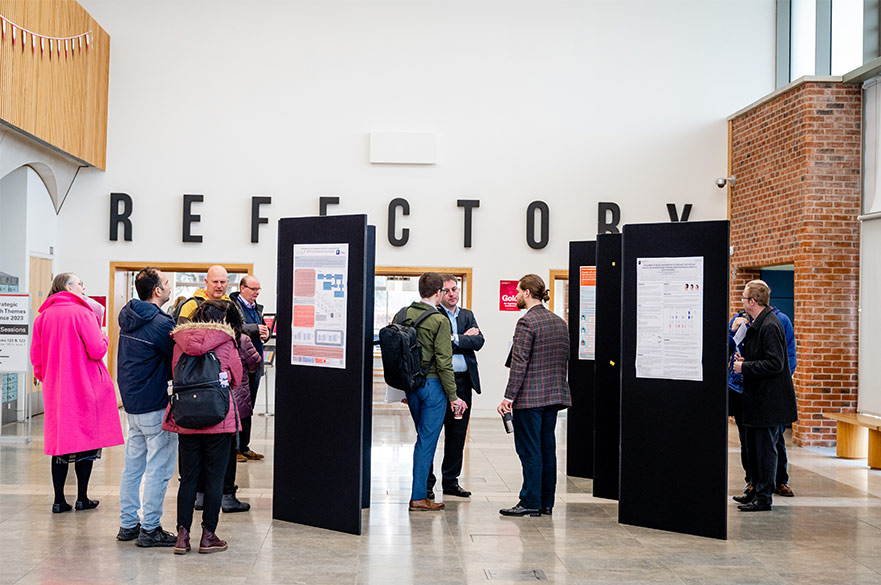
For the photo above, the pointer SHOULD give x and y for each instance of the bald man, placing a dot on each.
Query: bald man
(216, 281)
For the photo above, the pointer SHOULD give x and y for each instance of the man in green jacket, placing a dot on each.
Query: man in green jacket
(428, 404)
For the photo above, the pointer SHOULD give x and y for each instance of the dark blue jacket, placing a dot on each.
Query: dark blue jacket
(144, 358)
(789, 332)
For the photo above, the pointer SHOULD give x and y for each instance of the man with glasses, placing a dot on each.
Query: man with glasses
(467, 339)
(252, 313)
(768, 394)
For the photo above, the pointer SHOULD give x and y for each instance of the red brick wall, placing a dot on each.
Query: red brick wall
(795, 201)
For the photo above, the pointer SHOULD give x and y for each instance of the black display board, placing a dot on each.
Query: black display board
(322, 425)
(674, 433)
(369, 304)
(579, 422)
(607, 377)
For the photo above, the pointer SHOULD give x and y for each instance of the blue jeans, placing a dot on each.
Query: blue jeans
(428, 405)
(150, 453)
(536, 445)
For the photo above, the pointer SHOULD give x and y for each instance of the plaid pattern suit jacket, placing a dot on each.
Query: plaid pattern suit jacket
(539, 361)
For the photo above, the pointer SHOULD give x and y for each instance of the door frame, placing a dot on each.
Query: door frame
(463, 273)
(553, 277)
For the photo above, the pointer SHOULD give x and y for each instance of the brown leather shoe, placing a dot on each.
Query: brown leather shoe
(253, 456)
(425, 505)
(241, 458)
(210, 543)
(182, 546)
(784, 490)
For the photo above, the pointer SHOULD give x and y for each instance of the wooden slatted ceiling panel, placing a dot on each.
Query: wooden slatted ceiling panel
(59, 100)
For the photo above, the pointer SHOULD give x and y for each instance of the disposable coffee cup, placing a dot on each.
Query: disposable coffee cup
(458, 412)
(508, 421)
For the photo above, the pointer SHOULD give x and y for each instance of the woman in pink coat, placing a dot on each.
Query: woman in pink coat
(81, 414)
(206, 451)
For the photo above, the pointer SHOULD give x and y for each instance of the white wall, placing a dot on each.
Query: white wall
(42, 222)
(13, 233)
(569, 102)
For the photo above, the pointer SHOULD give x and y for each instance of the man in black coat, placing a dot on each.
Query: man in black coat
(467, 339)
(768, 394)
(252, 314)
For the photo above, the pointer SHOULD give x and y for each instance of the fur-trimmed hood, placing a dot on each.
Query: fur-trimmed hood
(200, 338)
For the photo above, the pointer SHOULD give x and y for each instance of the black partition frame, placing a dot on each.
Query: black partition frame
(579, 422)
(323, 415)
(674, 433)
(607, 376)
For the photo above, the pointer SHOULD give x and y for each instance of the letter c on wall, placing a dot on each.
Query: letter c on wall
(405, 232)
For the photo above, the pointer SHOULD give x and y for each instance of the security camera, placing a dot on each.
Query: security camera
(722, 181)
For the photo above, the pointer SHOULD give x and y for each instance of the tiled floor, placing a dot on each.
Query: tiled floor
(830, 533)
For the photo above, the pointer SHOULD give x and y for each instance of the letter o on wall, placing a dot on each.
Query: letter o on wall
(530, 225)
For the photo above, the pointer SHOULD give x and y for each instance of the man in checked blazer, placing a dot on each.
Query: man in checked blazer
(537, 390)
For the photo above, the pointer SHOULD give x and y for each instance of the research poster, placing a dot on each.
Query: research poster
(587, 309)
(14, 332)
(669, 318)
(318, 330)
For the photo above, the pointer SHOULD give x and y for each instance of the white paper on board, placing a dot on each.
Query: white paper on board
(15, 332)
(740, 334)
(318, 329)
(669, 318)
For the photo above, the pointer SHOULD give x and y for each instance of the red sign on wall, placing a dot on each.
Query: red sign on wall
(508, 295)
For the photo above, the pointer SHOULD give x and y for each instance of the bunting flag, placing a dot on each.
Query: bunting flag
(72, 44)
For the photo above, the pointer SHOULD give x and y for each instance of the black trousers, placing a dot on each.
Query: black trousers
(207, 455)
(762, 453)
(735, 409)
(245, 434)
(455, 432)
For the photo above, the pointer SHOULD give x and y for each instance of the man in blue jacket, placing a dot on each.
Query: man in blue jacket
(143, 372)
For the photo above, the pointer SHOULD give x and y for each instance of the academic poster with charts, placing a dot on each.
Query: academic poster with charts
(587, 312)
(669, 318)
(318, 330)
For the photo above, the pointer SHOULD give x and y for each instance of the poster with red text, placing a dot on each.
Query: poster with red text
(318, 331)
(508, 295)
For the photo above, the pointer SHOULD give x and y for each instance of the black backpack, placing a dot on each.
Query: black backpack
(176, 313)
(201, 392)
(401, 354)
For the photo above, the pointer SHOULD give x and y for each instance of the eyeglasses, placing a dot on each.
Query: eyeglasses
(746, 298)
(444, 290)
(259, 288)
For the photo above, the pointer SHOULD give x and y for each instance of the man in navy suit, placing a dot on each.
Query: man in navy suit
(467, 339)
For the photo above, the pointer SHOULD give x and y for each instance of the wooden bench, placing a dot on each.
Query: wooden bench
(859, 436)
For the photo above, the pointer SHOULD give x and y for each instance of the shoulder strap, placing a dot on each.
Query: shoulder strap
(425, 315)
(180, 307)
(401, 316)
